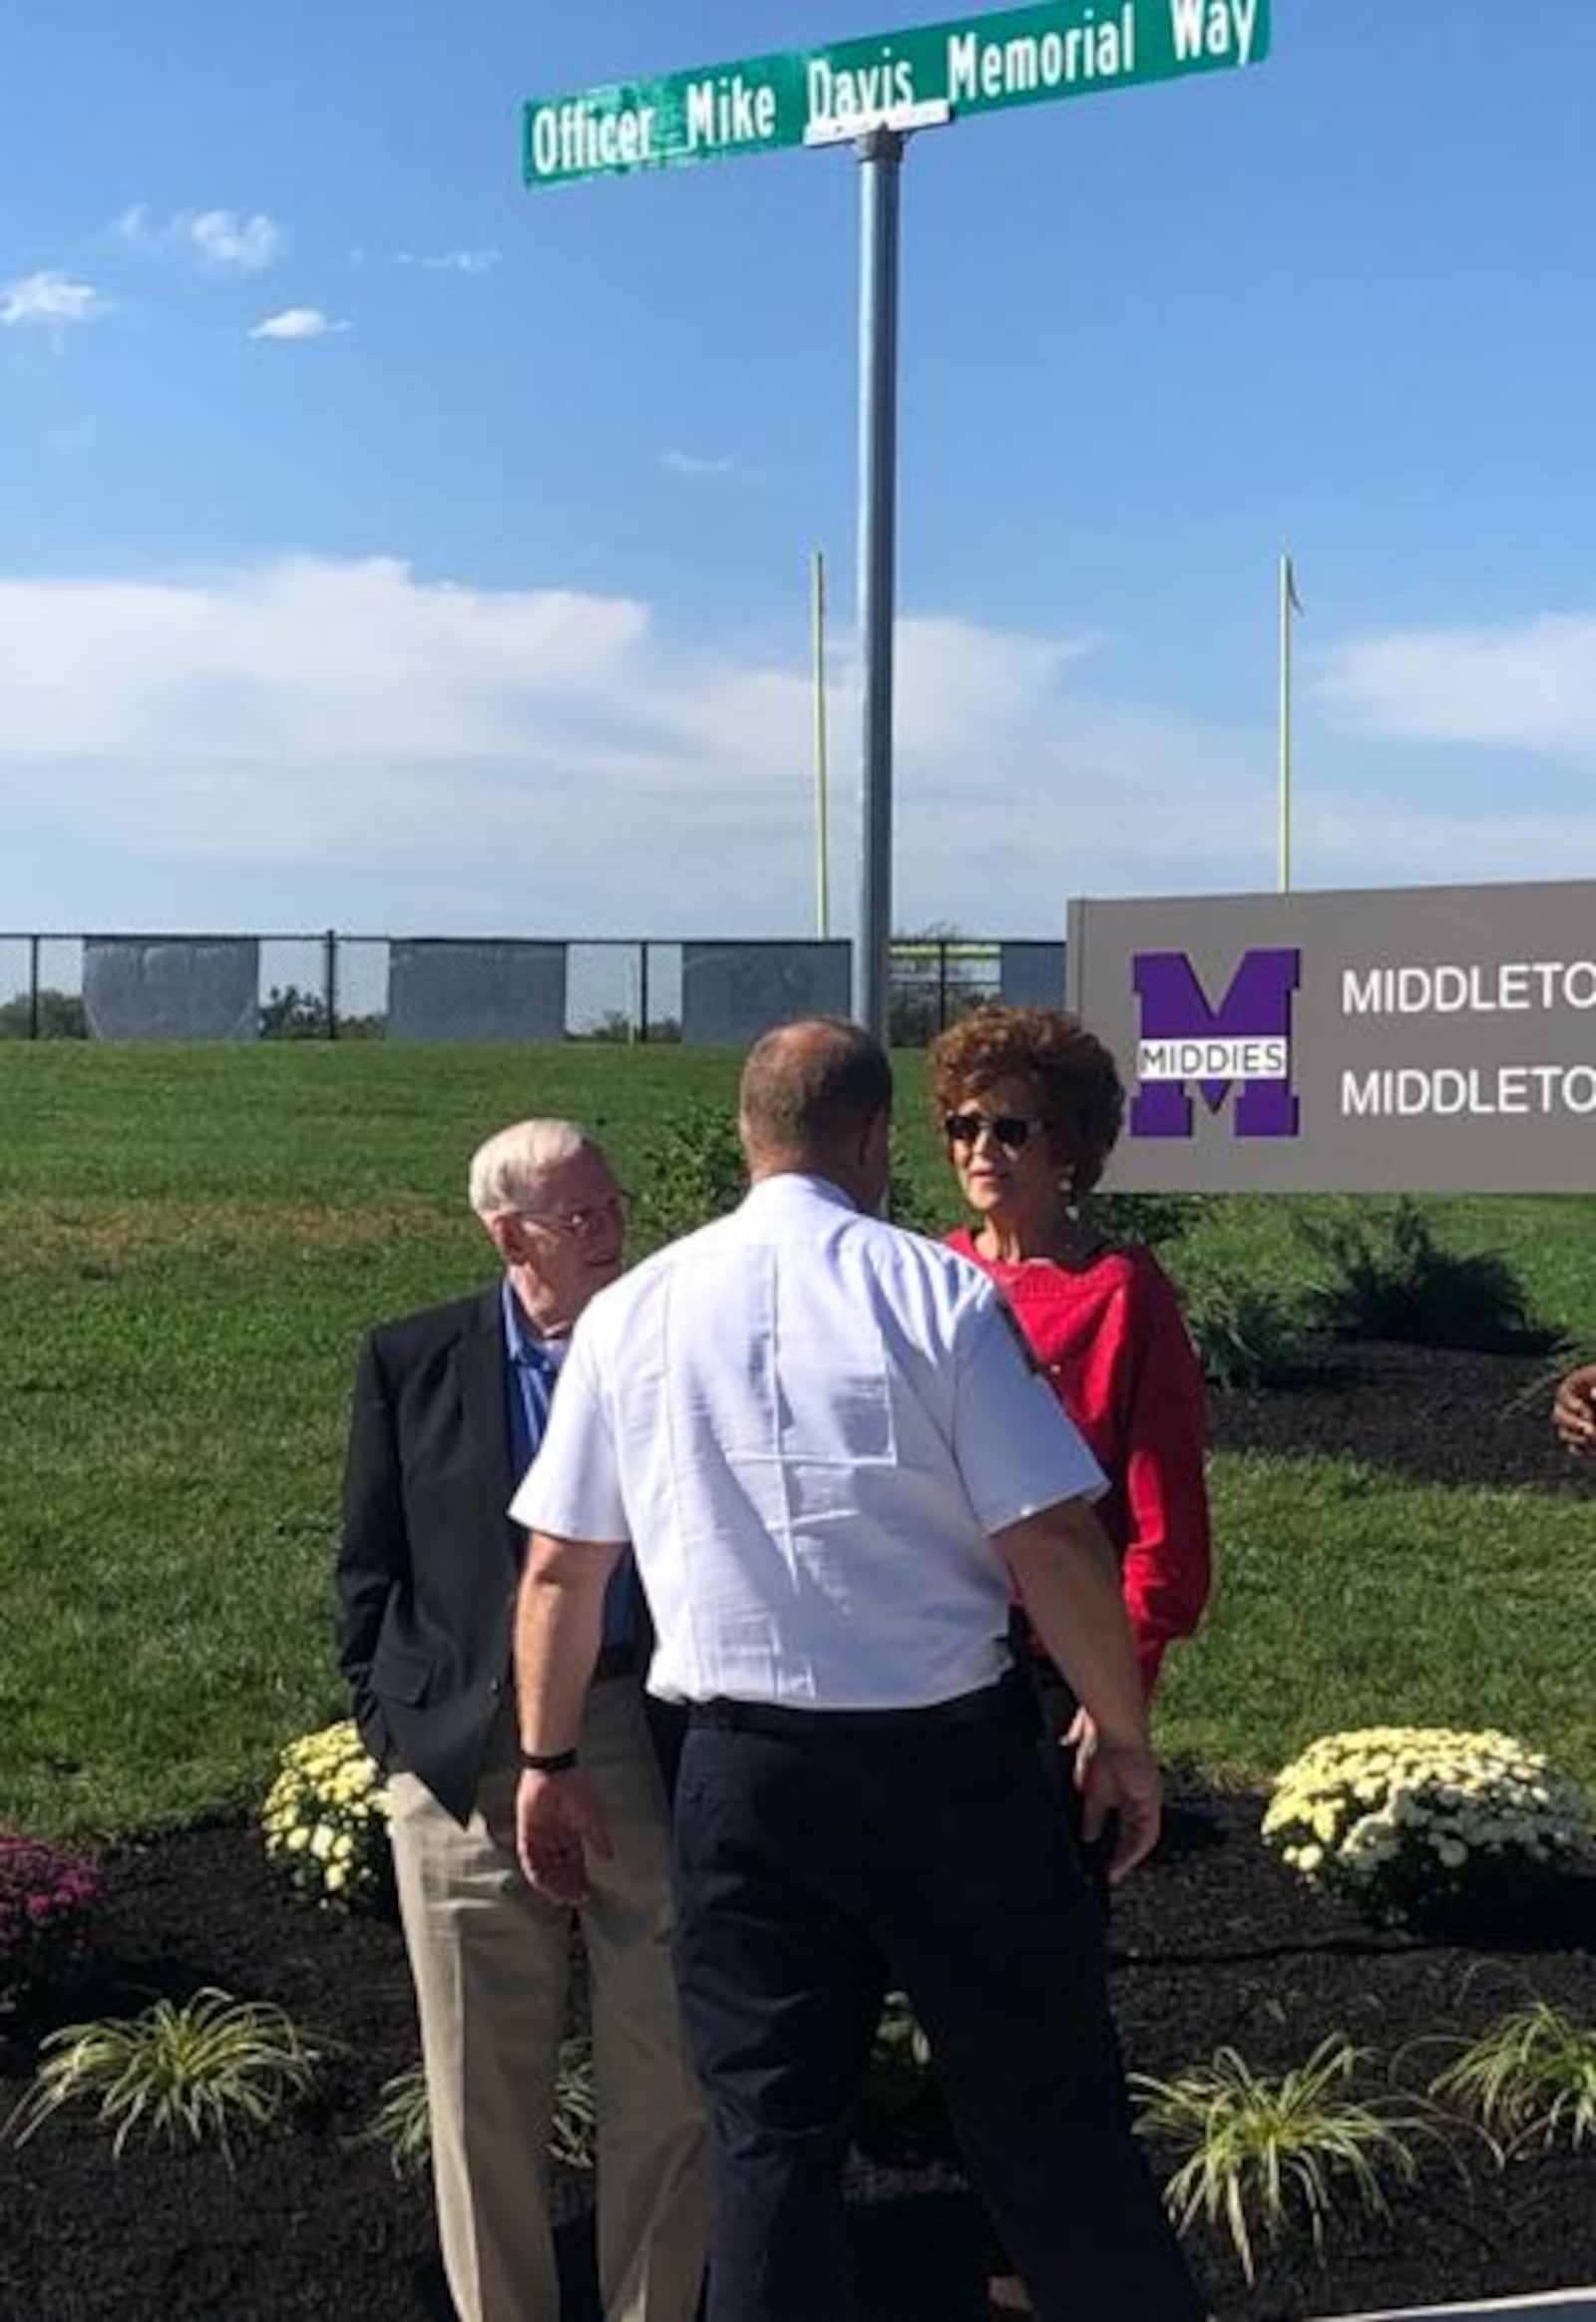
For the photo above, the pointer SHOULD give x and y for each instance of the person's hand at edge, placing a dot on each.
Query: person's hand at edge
(558, 1823)
(1574, 1409)
(1119, 1778)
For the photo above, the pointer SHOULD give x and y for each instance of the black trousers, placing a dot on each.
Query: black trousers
(809, 1853)
(1056, 1707)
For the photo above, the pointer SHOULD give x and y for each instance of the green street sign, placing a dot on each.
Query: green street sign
(981, 63)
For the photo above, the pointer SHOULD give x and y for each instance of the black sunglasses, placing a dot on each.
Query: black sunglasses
(1012, 1131)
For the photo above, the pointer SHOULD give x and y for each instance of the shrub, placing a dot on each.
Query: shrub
(1530, 2079)
(1425, 1825)
(615, 1028)
(57, 1016)
(1256, 2151)
(1149, 1218)
(696, 1172)
(288, 1014)
(325, 1820)
(47, 1903)
(178, 2074)
(905, 1204)
(1389, 1277)
(1244, 1335)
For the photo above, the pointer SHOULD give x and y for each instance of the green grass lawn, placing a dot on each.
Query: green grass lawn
(1352, 1596)
(192, 1240)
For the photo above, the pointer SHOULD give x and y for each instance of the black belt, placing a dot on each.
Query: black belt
(616, 1660)
(972, 1709)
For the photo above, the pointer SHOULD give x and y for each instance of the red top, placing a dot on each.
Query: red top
(1111, 1339)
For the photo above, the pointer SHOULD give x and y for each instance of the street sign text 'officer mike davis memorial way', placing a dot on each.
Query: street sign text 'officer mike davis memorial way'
(872, 94)
(1022, 56)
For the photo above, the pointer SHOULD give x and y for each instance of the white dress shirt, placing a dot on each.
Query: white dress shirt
(809, 1425)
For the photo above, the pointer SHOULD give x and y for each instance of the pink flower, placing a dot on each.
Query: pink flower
(45, 1895)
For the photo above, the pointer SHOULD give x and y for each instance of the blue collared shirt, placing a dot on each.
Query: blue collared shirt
(532, 1367)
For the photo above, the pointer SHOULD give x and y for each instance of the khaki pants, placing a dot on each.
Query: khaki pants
(490, 1961)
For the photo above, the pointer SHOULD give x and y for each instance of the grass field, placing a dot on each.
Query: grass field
(192, 1240)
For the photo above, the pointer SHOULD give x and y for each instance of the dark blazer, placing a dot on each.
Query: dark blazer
(429, 1560)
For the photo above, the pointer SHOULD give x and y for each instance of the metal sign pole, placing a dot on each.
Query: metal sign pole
(821, 754)
(881, 154)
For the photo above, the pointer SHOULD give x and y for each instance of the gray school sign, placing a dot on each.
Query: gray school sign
(1435, 1039)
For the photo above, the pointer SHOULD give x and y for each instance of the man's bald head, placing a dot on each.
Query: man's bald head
(816, 1096)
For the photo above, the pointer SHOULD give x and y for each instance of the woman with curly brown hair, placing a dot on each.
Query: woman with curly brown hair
(1032, 1105)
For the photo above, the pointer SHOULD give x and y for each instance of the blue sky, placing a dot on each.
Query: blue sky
(385, 546)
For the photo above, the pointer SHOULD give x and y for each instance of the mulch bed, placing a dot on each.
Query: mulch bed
(1213, 1943)
(1433, 1412)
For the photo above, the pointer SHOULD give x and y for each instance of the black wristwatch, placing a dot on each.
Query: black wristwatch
(548, 1761)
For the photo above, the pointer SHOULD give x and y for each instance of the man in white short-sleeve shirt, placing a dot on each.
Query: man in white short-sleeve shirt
(813, 1429)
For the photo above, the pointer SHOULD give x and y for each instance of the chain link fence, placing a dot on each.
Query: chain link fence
(364, 987)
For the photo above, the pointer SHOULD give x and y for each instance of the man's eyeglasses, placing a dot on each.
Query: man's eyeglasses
(1012, 1131)
(578, 1221)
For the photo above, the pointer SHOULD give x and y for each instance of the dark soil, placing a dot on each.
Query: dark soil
(1211, 1944)
(1433, 1412)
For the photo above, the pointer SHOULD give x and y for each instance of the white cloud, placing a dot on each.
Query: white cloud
(439, 757)
(497, 757)
(450, 261)
(296, 322)
(341, 663)
(241, 246)
(50, 302)
(1369, 839)
(223, 242)
(682, 462)
(1528, 686)
(966, 691)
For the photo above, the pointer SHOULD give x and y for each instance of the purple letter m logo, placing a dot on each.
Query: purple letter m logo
(1247, 1038)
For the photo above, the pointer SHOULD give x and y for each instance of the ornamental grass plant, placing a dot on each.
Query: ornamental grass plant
(1426, 1826)
(325, 1820)
(402, 2125)
(574, 2129)
(1257, 2153)
(900, 2119)
(1529, 2080)
(177, 2075)
(46, 1906)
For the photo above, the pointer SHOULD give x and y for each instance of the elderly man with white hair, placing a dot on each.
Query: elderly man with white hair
(448, 1411)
